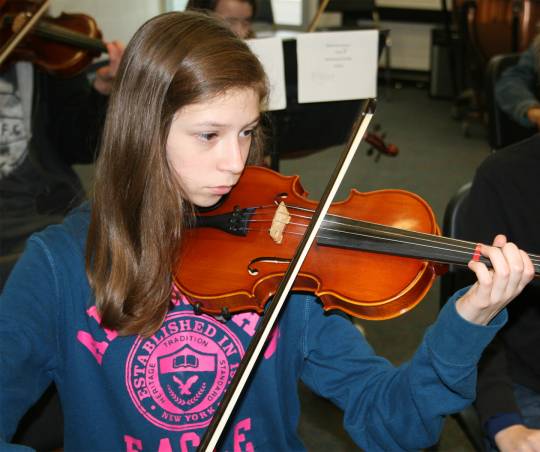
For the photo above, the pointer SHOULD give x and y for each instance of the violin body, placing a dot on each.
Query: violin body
(220, 270)
(64, 45)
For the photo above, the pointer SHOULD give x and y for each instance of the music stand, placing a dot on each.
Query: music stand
(295, 128)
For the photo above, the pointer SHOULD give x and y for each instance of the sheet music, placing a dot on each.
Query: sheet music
(270, 53)
(339, 65)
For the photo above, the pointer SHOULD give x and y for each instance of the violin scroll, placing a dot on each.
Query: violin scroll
(377, 143)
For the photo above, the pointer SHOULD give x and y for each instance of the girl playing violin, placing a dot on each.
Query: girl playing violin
(92, 306)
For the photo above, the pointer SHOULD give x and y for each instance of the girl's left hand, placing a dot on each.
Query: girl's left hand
(495, 288)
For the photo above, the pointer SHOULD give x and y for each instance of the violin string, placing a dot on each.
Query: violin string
(455, 245)
(467, 251)
(468, 246)
(452, 245)
(420, 236)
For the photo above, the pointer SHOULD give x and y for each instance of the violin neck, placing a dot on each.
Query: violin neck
(65, 36)
(365, 236)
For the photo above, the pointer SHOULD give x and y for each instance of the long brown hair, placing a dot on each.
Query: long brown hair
(138, 212)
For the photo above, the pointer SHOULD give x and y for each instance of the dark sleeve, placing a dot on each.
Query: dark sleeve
(76, 113)
(484, 217)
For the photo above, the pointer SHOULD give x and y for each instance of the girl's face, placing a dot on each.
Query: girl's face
(209, 142)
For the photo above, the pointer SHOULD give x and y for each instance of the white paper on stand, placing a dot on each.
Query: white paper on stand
(270, 54)
(338, 65)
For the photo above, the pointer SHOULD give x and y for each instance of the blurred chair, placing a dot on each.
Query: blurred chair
(456, 278)
(42, 427)
(502, 130)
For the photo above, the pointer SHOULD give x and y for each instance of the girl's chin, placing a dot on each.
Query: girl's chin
(206, 201)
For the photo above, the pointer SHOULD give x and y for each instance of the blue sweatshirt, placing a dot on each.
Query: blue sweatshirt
(159, 393)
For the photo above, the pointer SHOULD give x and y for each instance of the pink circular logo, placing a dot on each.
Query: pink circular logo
(177, 376)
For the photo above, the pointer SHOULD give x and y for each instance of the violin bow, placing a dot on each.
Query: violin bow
(22, 32)
(233, 393)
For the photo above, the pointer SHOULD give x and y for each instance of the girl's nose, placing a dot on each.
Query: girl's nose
(234, 156)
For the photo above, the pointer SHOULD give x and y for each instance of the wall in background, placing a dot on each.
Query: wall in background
(410, 23)
(411, 44)
(117, 19)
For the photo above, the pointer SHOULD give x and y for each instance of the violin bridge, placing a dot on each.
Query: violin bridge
(279, 222)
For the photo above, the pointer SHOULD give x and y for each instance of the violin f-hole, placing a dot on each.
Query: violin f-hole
(272, 260)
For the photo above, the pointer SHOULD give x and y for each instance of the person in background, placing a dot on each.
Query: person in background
(47, 124)
(93, 305)
(504, 198)
(517, 92)
(237, 13)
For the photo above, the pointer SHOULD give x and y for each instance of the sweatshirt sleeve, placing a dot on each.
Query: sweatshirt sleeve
(396, 408)
(28, 339)
(514, 91)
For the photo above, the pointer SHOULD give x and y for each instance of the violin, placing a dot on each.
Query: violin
(63, 46)
(375, 256)
(377, 143)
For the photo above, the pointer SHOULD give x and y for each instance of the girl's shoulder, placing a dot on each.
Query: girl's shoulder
(68, 237)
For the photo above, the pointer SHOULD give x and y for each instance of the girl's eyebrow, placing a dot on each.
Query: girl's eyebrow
(209, 124)
(219, 125)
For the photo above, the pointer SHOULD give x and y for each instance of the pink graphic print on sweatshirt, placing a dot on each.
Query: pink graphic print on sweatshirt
(176, 376)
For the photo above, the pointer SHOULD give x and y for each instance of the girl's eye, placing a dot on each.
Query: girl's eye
(247, 133)
(207, 136)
